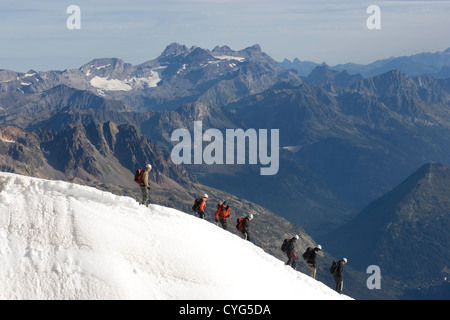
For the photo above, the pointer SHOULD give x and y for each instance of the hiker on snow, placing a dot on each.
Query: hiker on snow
(289, 249)
(223, 214)
(200, 205)
(244, 226)
(310, 257)
(141, 178)
(336, 269)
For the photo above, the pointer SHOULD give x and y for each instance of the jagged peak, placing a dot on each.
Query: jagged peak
(391, 76)
(32, 72)
(199, 51)
(223, 50)
(254, 48)
(105, 61)
(174, 49)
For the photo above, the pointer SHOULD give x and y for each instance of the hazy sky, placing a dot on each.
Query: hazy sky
(34, 34)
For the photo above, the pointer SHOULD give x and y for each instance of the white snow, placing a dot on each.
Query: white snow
(65, 241)
(29, 75)
(240, 59)
(182, 68)
(151, 81)
(125, 85)
(102, 67)
(109, 84)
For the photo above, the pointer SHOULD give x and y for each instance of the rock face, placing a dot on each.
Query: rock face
(103, 152)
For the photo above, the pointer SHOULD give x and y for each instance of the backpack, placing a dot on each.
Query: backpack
(334, 267)
(239, 224)
(138, 176)
(284, 245)
(197, 203)
(307, 253)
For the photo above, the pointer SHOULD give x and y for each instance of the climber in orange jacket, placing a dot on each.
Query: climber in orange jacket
(223, 214)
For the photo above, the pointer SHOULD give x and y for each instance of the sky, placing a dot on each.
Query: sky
(34, 34)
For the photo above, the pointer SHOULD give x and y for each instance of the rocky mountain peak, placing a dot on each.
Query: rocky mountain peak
(107, 67)
(256, 48)
(322, 74)
(222, 50)
(174, 49)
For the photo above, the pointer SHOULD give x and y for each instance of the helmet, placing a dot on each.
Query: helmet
(205, 196)
(148, 166)
(296, 237)
(345, 260)
(319, 247)
(250, 216)
(225, 203)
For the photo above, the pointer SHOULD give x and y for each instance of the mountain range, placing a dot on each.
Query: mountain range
(179, 75)
(435, 64)
(346, 139)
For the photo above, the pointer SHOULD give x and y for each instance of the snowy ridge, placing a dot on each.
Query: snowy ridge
(65, 241)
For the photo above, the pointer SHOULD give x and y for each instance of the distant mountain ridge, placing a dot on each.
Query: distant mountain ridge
(179, 75)
(429, 64)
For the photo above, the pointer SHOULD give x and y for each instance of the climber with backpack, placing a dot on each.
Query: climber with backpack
(288, 247)
(310, 257)
(141, 178)
(200, 205)
(223, 214)
(243, 225)
(337, 268)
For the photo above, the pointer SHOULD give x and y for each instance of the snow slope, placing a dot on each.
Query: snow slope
(65, 241)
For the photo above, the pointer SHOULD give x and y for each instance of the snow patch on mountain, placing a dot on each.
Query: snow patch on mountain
(110, 84)
(32, 74)
(125, 85)
(240, 59)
